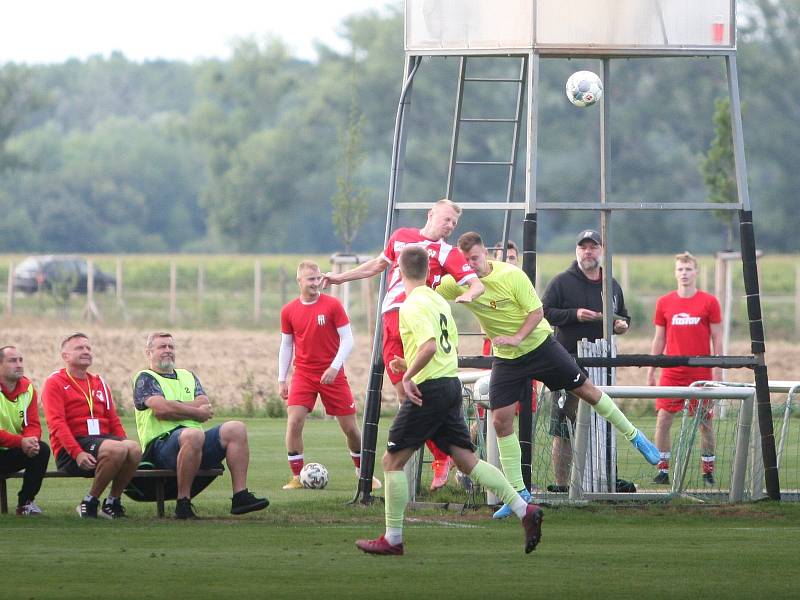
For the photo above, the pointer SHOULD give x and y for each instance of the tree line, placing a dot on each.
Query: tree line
(252, 153)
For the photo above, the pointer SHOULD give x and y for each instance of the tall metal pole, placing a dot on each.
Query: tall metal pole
(529, 247)
(372, 403)
(751, 287)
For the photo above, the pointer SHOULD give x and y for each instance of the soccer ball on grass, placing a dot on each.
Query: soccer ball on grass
(584, 88)
(314, 476)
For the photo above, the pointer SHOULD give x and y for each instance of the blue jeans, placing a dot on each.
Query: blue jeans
(164, 452)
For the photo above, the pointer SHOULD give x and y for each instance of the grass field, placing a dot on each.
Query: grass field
(302, 545)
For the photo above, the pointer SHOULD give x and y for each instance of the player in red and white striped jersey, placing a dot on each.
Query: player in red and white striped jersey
(444, 260)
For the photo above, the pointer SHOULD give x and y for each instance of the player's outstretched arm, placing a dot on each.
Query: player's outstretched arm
(374, 266)
(476, 288)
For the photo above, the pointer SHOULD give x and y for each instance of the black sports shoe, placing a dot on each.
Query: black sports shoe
(184, 509)
(245, 502)
(88, 510)
(661, 478)
(708, 479)
(112, 510)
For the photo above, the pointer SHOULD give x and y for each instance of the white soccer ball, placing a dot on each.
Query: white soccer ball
(584, 88)
(314, 476)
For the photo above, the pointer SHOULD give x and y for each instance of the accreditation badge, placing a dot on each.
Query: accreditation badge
(93, 426)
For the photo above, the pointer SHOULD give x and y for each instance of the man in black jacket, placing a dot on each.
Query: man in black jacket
(573, 304)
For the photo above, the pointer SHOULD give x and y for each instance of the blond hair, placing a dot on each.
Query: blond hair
(306, 264)
(448, 203)
(686, 257)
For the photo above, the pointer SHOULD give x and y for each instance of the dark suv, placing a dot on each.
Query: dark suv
(43, 272)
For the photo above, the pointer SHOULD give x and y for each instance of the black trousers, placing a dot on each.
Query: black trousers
(14, 459)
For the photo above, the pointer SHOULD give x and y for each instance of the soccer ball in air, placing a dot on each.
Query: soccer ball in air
(314, 476)
(584, 88)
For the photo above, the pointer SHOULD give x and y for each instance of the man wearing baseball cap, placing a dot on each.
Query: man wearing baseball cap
(573, 304)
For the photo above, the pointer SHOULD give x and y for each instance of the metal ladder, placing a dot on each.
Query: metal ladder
(459, 119)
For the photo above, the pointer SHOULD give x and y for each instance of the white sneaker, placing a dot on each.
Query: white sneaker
(29, 509)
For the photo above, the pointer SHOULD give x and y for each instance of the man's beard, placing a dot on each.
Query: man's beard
(589, 264)
(166, 364)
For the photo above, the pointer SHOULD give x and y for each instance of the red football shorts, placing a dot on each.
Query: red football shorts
(674, 405)
(392, 343)
(336, 397)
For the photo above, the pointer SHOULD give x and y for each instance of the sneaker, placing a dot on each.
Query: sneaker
(88, 510)
(646, 447)
(441, 472)
(558, 489)
(506, 511)
(294, 484)
(662, 478)
(184, 509)
(380, 546)
(29, 509)
(112, 510)
(532, 524)
(708, 479)
(245, 502)
(376, 483)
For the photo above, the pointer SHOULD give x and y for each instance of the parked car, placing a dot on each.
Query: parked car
(43, 272)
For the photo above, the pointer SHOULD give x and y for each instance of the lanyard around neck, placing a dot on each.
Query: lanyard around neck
(89, 399)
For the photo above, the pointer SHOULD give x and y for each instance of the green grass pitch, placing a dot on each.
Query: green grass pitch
(302, 545)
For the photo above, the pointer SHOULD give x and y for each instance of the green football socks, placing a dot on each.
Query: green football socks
(396, 498)
(511, 459)
(606, 408)
(490, 477)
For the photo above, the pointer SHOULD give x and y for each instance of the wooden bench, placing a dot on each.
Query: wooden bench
(160, 477)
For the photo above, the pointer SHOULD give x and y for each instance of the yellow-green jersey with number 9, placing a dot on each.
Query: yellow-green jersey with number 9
(425, 315)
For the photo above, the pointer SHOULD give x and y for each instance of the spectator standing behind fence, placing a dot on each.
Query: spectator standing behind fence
(171, 407)
(20, 430)
(86, 434)
(444, 260)
(316, 329)
(573, 304)
(687, 322)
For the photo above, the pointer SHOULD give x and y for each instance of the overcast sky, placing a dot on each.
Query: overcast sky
(46, 31)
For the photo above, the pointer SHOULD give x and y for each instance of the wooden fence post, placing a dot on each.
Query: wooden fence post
(201, 290)
(282, 284)
(118, 286)
(173, 292)
(10, 289)
(257, 291)
(797, 301)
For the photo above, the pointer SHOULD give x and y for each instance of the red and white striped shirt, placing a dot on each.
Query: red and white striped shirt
(445, 259)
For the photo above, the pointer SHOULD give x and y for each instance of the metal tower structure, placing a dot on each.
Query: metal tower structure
(607, 30)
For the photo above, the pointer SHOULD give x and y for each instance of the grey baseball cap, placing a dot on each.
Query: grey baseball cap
(589, 234)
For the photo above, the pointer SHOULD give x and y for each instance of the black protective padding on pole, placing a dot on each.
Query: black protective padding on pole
(636, 360)
(526, 432)
(764, 409)
(529, 230)
(369, 435)
(758, 347)
(529, 226)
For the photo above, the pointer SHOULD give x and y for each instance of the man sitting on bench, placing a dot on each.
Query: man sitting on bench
(86, 434)
(171, 406)
(20, 446)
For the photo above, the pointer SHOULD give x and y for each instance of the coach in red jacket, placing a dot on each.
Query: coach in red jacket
(85, 432)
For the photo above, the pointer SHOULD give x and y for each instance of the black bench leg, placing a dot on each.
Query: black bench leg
(3, 496)
(160, 497)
